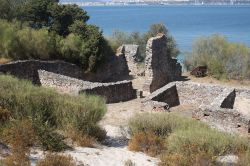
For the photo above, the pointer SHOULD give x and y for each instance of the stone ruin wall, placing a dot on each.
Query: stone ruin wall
(213, 103)
(160, 68)
(131, 52)
(115, 69)
(111, 91)
(197, 93)
(70, 78)
(167, 94)
(28, 69)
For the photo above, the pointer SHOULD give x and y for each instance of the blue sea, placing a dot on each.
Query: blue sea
(185, 23)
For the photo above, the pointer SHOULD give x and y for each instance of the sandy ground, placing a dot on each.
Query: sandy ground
(114, 152)
(211, 80)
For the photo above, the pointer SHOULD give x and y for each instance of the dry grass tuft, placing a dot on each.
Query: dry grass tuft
(81, 139)
(4, 115)
(148, 143)
(57, 160)
(20, 136)
(4, 60)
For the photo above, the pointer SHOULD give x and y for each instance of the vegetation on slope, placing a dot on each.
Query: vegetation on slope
(44, 29)
(224, 59)
(118, 38)
(31, 115)
(182, 141)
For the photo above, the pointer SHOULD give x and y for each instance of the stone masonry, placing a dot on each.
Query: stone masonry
(160, 68)
(28, 69)
(131, 54)
(213, 103)
(113, 92)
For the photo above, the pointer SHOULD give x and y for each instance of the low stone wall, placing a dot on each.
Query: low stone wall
(229, 120)
(226, 99)
(28, 69)
(167, 94)
(214, 103)
(62, 83)
(197, 93)
(113, 92)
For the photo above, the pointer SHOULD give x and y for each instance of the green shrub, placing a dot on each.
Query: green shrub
(187, 141)
(47, 30)
(50, 110)
(87, 50)
(208, 141)
(161, 124)
(118, 38)
(224, 59)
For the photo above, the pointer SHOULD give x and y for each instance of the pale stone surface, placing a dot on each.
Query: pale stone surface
(228, 160)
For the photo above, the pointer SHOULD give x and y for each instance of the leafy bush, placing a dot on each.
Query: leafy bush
(224, 59)
(118, 38)
(47, 30)
(148, 143)
(87, 50)
(56, 160)
(50, 111)
(187, 141)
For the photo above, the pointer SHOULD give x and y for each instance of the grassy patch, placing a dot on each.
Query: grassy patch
(186, 141)
(50, 111)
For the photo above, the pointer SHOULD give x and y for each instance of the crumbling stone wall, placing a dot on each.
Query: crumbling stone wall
(167, 94)
(113, 92)
(229, 120)
(131, 52)
(62, 83)
(114, 69)
(197, 93)
(28, 69)
(213, 103)
(160, 68)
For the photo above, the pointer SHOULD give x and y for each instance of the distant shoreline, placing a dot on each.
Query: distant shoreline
(83, 4)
